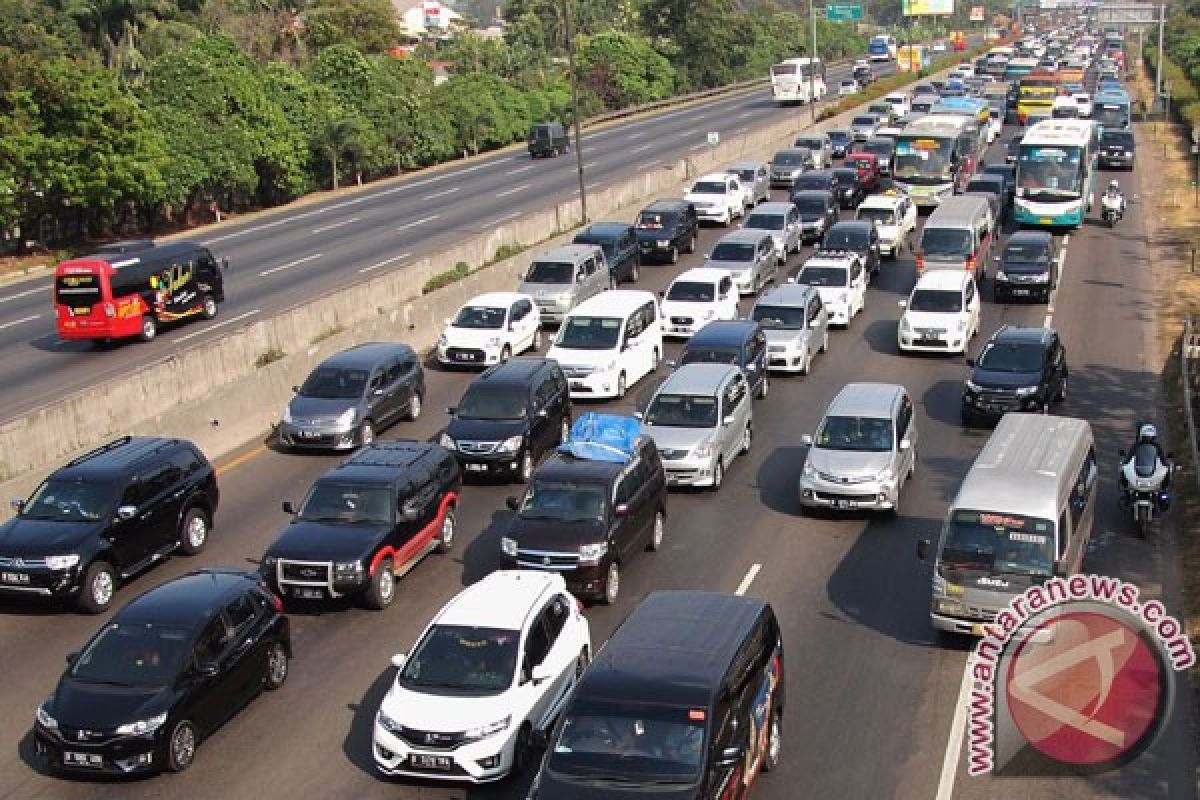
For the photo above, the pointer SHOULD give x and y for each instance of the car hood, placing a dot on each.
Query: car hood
(545, 289)
(92, 706)
(443, 712)
(733, 267)
(320, 408)
(831, 295)
(552, 787)
(318, 541)
(570, 357)
(674, 308)
(470, 337)
(848, 463)
(555, 535)
(930, 319)
(1004, 380)
(669, 438)
(705, 199)
(484, 430)
(38, 538)
(786, 335)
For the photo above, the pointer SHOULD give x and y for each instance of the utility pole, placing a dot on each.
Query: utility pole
(812, 61)
(1162, 18)
(575, 109)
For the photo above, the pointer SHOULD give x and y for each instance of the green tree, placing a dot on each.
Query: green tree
(624, 70)
(29, 26)
(343, 136)
(370, 25)
(484, 111)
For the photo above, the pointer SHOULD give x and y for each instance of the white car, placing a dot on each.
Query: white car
(899, 103)
(941, 315)
(496, 664)
(717, 197)
(490, 329)
(895, 217)
(1083, 101)
(848, 88)
(841, 280)
(697, 297)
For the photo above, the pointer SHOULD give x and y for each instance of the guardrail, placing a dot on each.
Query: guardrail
(1189, 360)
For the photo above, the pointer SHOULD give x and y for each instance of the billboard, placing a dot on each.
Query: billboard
(917, 8)
(976, 13)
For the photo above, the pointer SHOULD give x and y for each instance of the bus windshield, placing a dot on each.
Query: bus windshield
(1050, 173)
(924, 160)
(998, 544)
(1113, 115)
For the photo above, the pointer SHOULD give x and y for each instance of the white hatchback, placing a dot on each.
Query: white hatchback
(942, 313)
(494, 666)
(490, 329)
(697, 297)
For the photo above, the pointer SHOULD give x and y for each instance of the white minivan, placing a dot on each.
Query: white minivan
(609, 342)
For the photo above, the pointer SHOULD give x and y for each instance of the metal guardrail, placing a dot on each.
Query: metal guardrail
(1189, 360)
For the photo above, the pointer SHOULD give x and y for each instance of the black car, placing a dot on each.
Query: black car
(366, 522)
(863, 74)
(1019, 369)
(841, 140)
(855, 236)
(850, 191)
(822, 179)
(1028, 267)
(619, 242)
(666, 228)
(585, 518)
(818, 211)
(509, 417)
(1007, 172)
(740, 342)
(990, 187)
(106, 516)
(1117, 149)
(166, 671)
(548, 139)
(884, 150)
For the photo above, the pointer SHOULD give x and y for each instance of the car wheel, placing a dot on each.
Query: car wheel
(621, 386)
(656, 535)
(414, 404)
(277, 666)
(581, 663)
(774, 752)
(449, 528)
(825, 342)
(612, 584)
(209, 308)
(193, 532)
(766, 385)
(657, 359)
(522, 749)
(525, 474)
(635, 273)
(98, 587)
(564, 430)
(718, 475)
(505, 354)
(537, 340)
(381, 590)
(747, 439)
(149, 328)
(806, 367)
(181, 746)
(1062, 391)
(691, 247)
(366, 433)
(673, 255)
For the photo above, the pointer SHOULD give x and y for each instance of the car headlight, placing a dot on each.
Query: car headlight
(142, 726)
(508, 546)
(885, 475)
(592, 553)
(443, 341)
(1128, 152)
(344, 568)
(287, 414)
(484, 731)
(1026, 391)
(346, 418)
(269, 562)
(972, 386)
(447, 442)
(809, 470)
(44, 719)
(62, 562)
(1001, 275)
(949, 605)
(664, 242)
(387, 723)
(904, 326)
(511, 445)
(705, 450)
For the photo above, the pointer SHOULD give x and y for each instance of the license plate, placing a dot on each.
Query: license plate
(842, 503)
(679, 329)
(94, 760)
(307, 594)
(465, 356)
(977, 629)
(14, 577)
(1020, 291)
(476, 467)
(1045, 221)
(928, 342)
(308, 434)
(425, 761)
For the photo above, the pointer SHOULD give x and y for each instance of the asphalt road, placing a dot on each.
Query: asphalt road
(287, 258)
(871, 689)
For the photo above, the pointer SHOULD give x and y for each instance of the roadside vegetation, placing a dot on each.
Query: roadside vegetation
(1181, 61)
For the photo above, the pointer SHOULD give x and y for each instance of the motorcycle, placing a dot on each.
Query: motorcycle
(1111, 209)
(1142, 478)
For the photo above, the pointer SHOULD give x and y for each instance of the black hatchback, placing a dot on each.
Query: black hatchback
(163, 673)
(1028, 267)
(1019, 369)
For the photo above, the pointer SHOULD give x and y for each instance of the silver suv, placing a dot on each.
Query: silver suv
(562, 278)
(756, 180)
(796, 324)
(782, 221)
(701, 419)
(820, 145)
(749, 255)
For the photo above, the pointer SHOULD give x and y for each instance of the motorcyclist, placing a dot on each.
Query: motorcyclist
(1113, 195)
(1147, 435)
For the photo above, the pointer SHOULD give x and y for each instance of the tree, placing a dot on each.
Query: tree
(342, 136)
(28, 26)
(370, 25)
(484, 111)
(623, 70)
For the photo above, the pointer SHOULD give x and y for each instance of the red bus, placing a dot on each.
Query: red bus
(132, 289)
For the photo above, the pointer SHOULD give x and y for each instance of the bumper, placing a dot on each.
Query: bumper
(929, 196)
(42, 582)
(468, 356)
(656, 251)
(744, 282)
(951, 343)
(490, 464)
(871, 496)
(950, 624)
(598, 385)
(323, 584)
(689, 473)
(673, 331)
(839, 314)
(1116, 161)
(1031, 214)
(551, 316)
(317, 438)
(118, 755)
(476, 762)
(887, 247)
(583, 580)
(1023, 289)
(714, 214)
(79, 329)
(782, 181)
(786, 360)
(994, 406)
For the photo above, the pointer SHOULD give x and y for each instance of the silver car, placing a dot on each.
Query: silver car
(819, 145)
(796, 324)
(749, 255)
(786, 165)
(701, 419)
(756, 180)
(562, 278)
(782, 221)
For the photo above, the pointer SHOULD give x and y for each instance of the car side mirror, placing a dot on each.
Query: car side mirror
(621, 510)
(1121, 454)
(126, 512)
(905, 445)
(296, 389)
(399, 660)
(639, 414)
(224, 264)
(806, 440)
(452, 410)
(540, 739)
(1061, 568)
(922, 549)
(540, 674)
(18, 505)
(288, 508)
(409, 513)
(377, 392)
(72, 657)
(902, 303)
(730, 756)
(970, 362)
(662, 293)
(512, 503)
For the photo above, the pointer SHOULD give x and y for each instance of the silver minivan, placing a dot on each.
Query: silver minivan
(756, 180)
(782, 221)
(701, 419)
(958, 235)
(796, 324)
(749, 255)
(563, 277)
(863, 451)
(820, 145)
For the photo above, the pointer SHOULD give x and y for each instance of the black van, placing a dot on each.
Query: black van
(740, 342)
(619, 242)
(548, 139)
(685, 701)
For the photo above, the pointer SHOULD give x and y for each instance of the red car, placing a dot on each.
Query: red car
(867, 165)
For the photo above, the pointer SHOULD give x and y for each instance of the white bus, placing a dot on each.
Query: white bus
(798, 80)
(1056, 172)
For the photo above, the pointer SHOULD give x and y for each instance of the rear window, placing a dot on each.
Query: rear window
(733, 251)
(946, 241)
(653, 220)
(77, 289)
(863, 121)
(1122, 138)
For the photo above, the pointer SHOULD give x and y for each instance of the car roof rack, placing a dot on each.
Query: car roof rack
(104, 448)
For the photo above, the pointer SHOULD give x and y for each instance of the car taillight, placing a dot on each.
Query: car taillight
(578, 605)
(971, 264)
(920, 261)
(109, 310)
(276, 602)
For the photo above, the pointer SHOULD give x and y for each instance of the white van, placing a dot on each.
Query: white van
(609, 342)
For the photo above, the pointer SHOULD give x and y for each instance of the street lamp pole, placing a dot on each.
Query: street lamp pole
(575, 109)
(812, 61)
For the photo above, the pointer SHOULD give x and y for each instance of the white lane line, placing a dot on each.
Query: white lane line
(687, 134)
(25, 293)
(958, 726)
(30, 318)
(442, 193)
(642, 148)
(289, 265)
(519, 170)
(385, 262)
(505, 218)
(745, 114)
(215, 325)
(333, 225)
(1062, 269)
(417, 222)
(514, 190)
(751, 574)
(636, 134)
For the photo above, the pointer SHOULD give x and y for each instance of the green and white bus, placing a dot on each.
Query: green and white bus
(1056, 173)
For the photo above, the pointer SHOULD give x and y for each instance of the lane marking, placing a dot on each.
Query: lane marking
(289, 265)
(417, 222)
(442, 193)
(506, 218)
(391, 260)
(514, 190)
(641, 148)
(30, 318)
(740, 130)
(745, 114)
(25, 293)
(333, 225)
(1062, 270)
(636, 135)
(215, 325)
(687, 134)
(242, 459)
(958, 727)
(519, 170)
(751, 574)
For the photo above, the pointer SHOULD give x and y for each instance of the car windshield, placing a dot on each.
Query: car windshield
(1117, 139)
(937, 301)
(845, 240)
(845, 177)
(863, 122)
(863, 434)
(682, 411)
(709, 355)
(133, 654)
(881, 216)
(765, 222)
(550, 272)
(823, 276)
(810, 144)
(839, 137)
(71, 500)
(810, 204)
(733, 251)
(334, 382)
(603, 242)
(709, 187)
(779, 317)
(563, 502)
(1026, 253)
(692, 292)
(589, 333)
(946, 241)
(998, 543)
(789, 159)
(653, 221)
(492, 402)
(482, 317)
(347, 504)
(642, 742)
(462, 658)
(1011, 357)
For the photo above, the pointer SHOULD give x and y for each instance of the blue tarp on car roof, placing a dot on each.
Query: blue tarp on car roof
(602, 437)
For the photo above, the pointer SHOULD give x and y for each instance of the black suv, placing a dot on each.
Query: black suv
(585, 518)
(1019, 369)
(850, 190)
(619, 241)
(367, 522)
(163, 673)
(106, 516)
(816, 179)
(1117, 149)
(1028, 267)
(509, 417)
(818, 211)
(856, 236)
(666, 228)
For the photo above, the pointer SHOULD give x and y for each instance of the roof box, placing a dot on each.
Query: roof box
(602, 437)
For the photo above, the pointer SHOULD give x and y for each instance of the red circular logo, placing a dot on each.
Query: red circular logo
(1085, 688)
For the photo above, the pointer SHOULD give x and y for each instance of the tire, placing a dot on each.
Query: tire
(522, 750)
(209, 307)
(277, 666)
(659, 530)
(97, 588)
(525, 471)
(825, 342)
(414, 404)
(635, 274)
(673, 255)
(381, 591)
(505, 355)
(1061, 396)
(1143, 525)
(537, 340)
(621, 386)
(366, 433)
(774, 754)
(806, 367)
(181, 746)
(718, 475)
(612, 584)
(149, 328)
(691, 247)
(449, 528)
(193, 531)
(766, 385)
(747, 439)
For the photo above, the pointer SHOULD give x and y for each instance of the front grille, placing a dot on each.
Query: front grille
(682, 320)
(672, 454)
(306, 572)
(931, 333)
(542, 559)
(477, 448)
(777, 348)
(23, 563)
(831, 478)
(578, 372)
(464, 354)
(829, 497)
(86, 736)
(1019, 277)
(430, 740)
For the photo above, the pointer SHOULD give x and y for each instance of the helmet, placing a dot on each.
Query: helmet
(1114, 186)
(1147, 433)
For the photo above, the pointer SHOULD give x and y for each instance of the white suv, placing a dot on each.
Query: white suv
(696, 298)
(494, 665)
(490, 329)
(717, 197)
(941, 315)
(841, 280)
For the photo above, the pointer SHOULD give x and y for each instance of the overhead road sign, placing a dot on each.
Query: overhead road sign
(843, 12)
